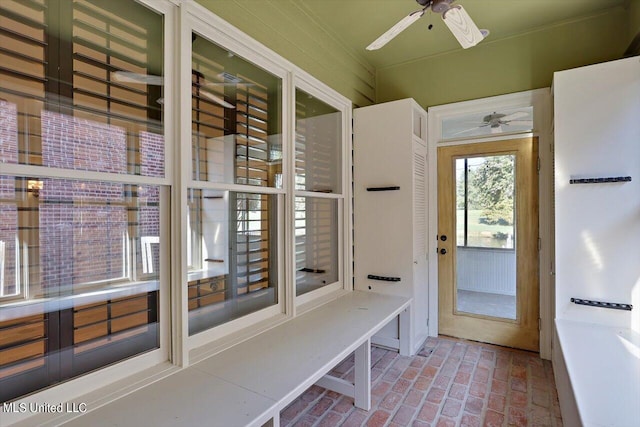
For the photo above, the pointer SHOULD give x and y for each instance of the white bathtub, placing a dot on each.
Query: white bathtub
(597, 374)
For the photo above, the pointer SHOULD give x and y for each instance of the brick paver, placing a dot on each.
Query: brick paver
(449, 382)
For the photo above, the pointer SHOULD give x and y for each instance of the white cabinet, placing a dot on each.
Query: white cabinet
(597, 135)
(390, 209)
(597, 230)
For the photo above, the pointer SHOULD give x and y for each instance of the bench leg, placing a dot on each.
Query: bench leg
(405, 332)
(362, 398)
(273, 422)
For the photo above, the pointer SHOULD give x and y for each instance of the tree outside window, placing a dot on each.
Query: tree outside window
(485, 188)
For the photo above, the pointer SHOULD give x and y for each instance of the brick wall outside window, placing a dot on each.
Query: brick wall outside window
(151, 154)
(82, 224)
(72, 143)
(8, 134)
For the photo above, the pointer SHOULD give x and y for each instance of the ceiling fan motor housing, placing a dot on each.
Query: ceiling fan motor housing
(441, 6)
(493, 117)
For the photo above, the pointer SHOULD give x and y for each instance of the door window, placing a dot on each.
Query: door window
(485, 235)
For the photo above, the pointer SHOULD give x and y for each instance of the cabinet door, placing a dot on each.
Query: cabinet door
(420, 221)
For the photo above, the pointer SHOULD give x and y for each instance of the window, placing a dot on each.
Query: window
(82, 67)
(85, 188)
(485, 201)
(318, 185)
(237, 245)
(316, 243)
(80, 90)
(236, 118)
(318, 145)
(236, 141)
(487, 123)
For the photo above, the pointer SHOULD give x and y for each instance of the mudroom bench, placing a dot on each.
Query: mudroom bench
(597, 369)
(251, 382)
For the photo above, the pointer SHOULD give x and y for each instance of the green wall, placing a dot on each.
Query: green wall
(519, 63)
(288, 29)
(634, 19)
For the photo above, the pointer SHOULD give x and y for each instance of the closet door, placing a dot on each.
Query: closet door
(420, 265)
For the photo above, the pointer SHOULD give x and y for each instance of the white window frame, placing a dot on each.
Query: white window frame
(317, 89)
(154, 363)
(21, 275)
(196, 18)
(177, 349)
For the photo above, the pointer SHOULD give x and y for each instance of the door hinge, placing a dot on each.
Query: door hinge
(539, 324)
(538, 165)
(539, 244)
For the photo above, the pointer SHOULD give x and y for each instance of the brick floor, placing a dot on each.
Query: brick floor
(449, 382)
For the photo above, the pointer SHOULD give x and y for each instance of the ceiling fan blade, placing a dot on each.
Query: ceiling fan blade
(212, 84)
(514, 116)
(217, 99)
(402, 25)
(521, 123)
(216, 84)
(469, 130)
(227, 79)
(462, 26)
(129, 77)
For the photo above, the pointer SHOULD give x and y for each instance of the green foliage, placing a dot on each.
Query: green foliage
(491, 189)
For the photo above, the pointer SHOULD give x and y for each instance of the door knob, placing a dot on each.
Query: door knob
(443, 238)
(443, 251)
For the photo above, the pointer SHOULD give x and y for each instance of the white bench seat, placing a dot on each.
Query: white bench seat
(182, 399)
(251, 382)
(598, 374)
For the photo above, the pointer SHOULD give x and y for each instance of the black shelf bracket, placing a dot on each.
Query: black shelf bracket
(383, 278)
(600, 180)
(601, 304)
(312, 270)
(393, 188)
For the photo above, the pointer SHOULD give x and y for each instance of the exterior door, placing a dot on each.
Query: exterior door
(488, 242)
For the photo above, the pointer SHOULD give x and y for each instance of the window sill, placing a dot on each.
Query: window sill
(30, 307)
(217, 271)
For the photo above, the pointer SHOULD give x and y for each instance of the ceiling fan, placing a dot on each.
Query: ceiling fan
(495, 121)
(228, 79)
(454, 16)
